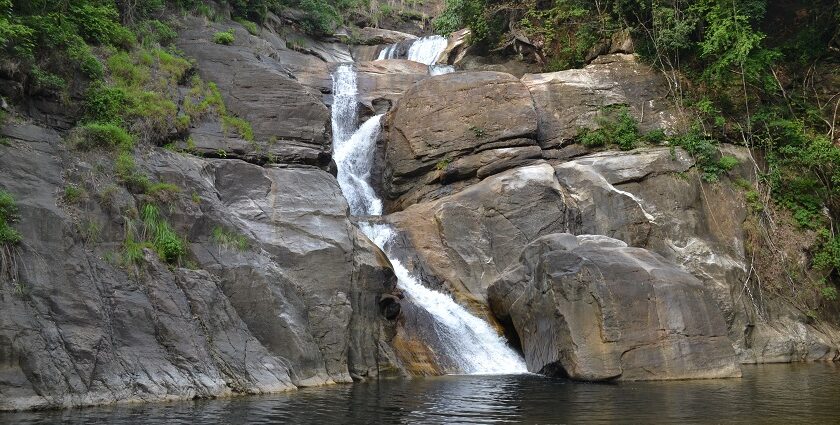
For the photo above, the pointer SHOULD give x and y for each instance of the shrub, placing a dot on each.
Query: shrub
(106, 135)
(8, 215)
(224, 37)
(47, 80)
(616, 126)
(105, 103)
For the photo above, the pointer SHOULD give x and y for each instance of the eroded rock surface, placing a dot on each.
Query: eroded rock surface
(591, 308)
(569, 100)
(79, 324)
(450, 116)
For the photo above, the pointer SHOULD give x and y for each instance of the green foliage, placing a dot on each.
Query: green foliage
(242, 127)
(102, 135)
(46, 80)
(229, 240)
(73, 193)
(8, 215)
(827, 256)
(251, 27)
(128, 174)
(224, 37)
(154, 32)
(443, 163)
(166, 243)
(162, 188)
(616, 126)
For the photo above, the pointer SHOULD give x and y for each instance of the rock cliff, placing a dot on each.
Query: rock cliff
(600, 265)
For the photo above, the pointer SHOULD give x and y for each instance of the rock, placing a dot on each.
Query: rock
(466, 239)
(254, 88)
(572, 99)
(80, 326)
(386, 81)
(450, 116)
(593, 309)
(372, 36)
(456, 47)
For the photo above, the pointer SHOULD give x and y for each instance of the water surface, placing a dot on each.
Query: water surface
(800, 393)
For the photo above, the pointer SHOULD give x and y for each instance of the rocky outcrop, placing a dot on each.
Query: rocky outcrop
(451, 116)
(381, 83)
(81, 324)
(591, 308)
(254, 87)
(465, 240)
(567, 101)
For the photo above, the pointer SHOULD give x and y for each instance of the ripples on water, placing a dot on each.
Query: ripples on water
(805, 393)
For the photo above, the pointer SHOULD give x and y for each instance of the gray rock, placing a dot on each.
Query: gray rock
(79, 326)
(450, 116)
(255, 87)
(594, 309)
(572, 99)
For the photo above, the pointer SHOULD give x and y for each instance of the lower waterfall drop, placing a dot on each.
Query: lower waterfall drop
(470, 342)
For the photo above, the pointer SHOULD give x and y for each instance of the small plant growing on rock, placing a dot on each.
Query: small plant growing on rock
(224, 37)
(442, 164)
(477, 131)
(251, 27)
(228, 240)
(8, 215)
(73, 194)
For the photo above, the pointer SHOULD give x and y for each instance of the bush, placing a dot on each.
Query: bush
(224, 37)
(617, 127)
(105, 135)
(8, 215)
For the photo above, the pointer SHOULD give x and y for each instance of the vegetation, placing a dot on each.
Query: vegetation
(229, 240)
(8, 215)
(747, 70)
(224, 37)
(155, 233)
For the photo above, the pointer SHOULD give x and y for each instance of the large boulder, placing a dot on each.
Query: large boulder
(592, 308)
(446, 117)
(569, 100)
(465, 240)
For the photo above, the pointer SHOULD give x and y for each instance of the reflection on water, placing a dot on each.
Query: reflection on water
(803, 393)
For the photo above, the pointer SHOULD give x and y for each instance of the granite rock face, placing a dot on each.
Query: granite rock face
(569, 100)
(592, 308)
(446, 117)
(80, 325)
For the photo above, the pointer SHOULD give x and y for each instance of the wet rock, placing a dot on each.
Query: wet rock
(466, 239)
(591, 308)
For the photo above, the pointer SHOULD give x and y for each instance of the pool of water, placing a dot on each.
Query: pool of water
(800, 393)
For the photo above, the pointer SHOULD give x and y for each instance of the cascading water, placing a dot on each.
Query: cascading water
(425, 50)
(470, 342)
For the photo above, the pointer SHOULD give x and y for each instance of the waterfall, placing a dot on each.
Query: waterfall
(425, 50)
(470, 342)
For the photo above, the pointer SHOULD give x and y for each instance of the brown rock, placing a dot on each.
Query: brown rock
(591, 308)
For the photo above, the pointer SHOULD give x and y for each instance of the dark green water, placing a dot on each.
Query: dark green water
(803, 393)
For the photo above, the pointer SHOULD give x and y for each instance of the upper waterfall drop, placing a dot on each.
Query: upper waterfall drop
(426, 50)
(471, 343)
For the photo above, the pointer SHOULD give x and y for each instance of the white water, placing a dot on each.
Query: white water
(425, 50)
(470, 342)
